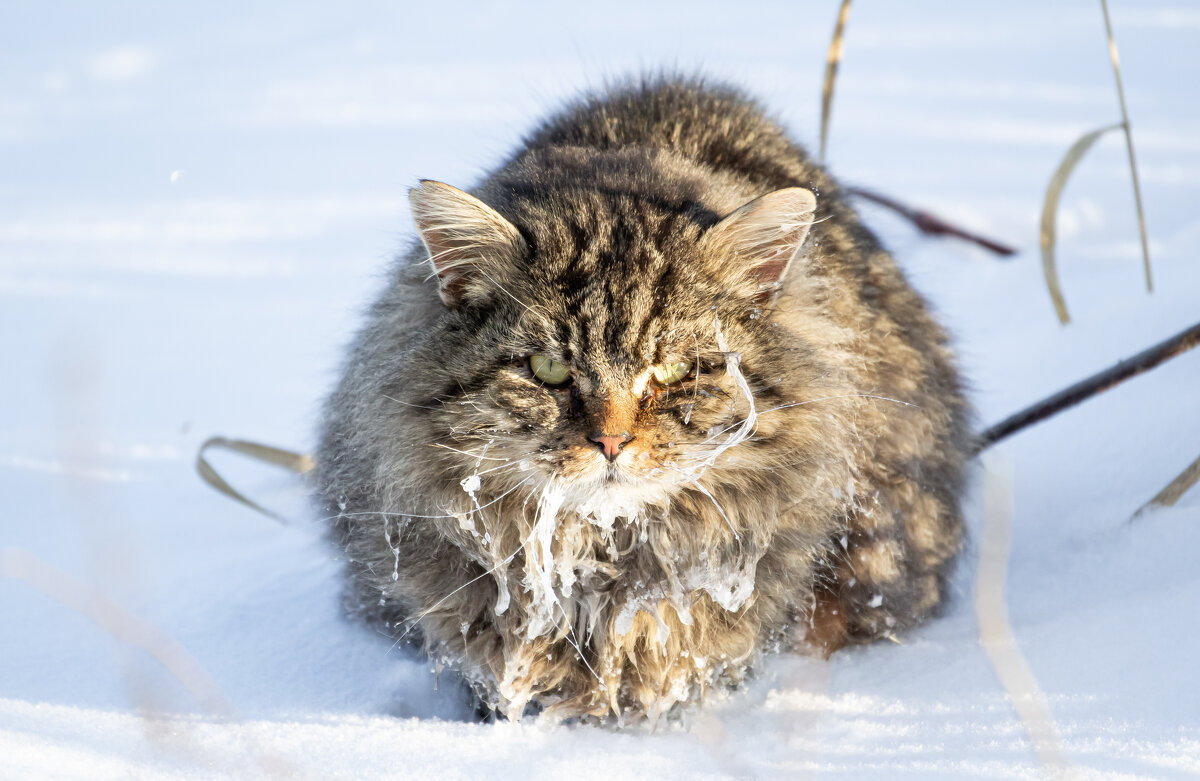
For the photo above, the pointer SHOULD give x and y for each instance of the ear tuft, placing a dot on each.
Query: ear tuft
(462, 234)
(765, 234)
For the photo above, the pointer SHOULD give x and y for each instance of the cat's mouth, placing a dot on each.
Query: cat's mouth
(624, 486)
(611, 476)
(615, 490)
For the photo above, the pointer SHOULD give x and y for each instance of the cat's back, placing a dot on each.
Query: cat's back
(714, 125)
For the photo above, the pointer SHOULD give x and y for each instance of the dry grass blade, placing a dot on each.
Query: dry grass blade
(1137, 188)
(124, 626)
(134, 631)
(831, 66)
(995, 629)
(1175, 489)
(286, 459)
(1050, 214)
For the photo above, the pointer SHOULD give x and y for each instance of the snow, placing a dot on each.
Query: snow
(143, 309)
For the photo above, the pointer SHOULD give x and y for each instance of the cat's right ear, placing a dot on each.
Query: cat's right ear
(463, 236)
(764, 236)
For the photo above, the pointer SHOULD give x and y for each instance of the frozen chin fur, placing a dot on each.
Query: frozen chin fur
(799, 488)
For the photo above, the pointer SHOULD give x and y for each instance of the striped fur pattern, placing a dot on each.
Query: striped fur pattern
(799, 489)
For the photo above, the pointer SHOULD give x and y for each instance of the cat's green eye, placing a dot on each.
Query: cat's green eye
(548, 370)
(671, 373)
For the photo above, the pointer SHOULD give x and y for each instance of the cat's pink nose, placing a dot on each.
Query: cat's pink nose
(611, 444)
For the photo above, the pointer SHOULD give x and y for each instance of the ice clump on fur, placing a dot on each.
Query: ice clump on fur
(730, 587)
(539, 561)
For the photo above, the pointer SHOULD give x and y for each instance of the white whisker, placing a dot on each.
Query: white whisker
(473, 455)
(386, 514)
(407, 404)
(716, 504)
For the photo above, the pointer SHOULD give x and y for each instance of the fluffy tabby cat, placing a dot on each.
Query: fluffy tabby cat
(647, 401)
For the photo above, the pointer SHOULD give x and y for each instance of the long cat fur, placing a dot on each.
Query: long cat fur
(817, 503)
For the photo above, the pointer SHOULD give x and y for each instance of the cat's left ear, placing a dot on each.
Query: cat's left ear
(463, 235)
(765, 235)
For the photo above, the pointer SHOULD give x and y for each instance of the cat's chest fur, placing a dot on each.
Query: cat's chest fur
(647, 402)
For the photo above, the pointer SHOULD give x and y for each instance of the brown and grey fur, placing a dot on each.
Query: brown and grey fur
(476, 514)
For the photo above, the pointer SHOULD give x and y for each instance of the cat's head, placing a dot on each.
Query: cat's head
(622, 348)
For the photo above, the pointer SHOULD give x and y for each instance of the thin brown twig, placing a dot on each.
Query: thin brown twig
(929, 224)
(1084, 389)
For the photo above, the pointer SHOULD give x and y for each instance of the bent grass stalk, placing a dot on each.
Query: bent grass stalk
(1050, 215)
(284, 459)
(1059, 180)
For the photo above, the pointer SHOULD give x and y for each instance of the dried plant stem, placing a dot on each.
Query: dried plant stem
(1175, 489)
(929, 224)
(1085, 389)
(1137, 189)
(832, 59)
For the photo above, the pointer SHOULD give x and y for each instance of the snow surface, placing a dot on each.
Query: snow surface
(197, 200)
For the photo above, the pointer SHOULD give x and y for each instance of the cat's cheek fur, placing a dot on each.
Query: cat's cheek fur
(528, 404)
